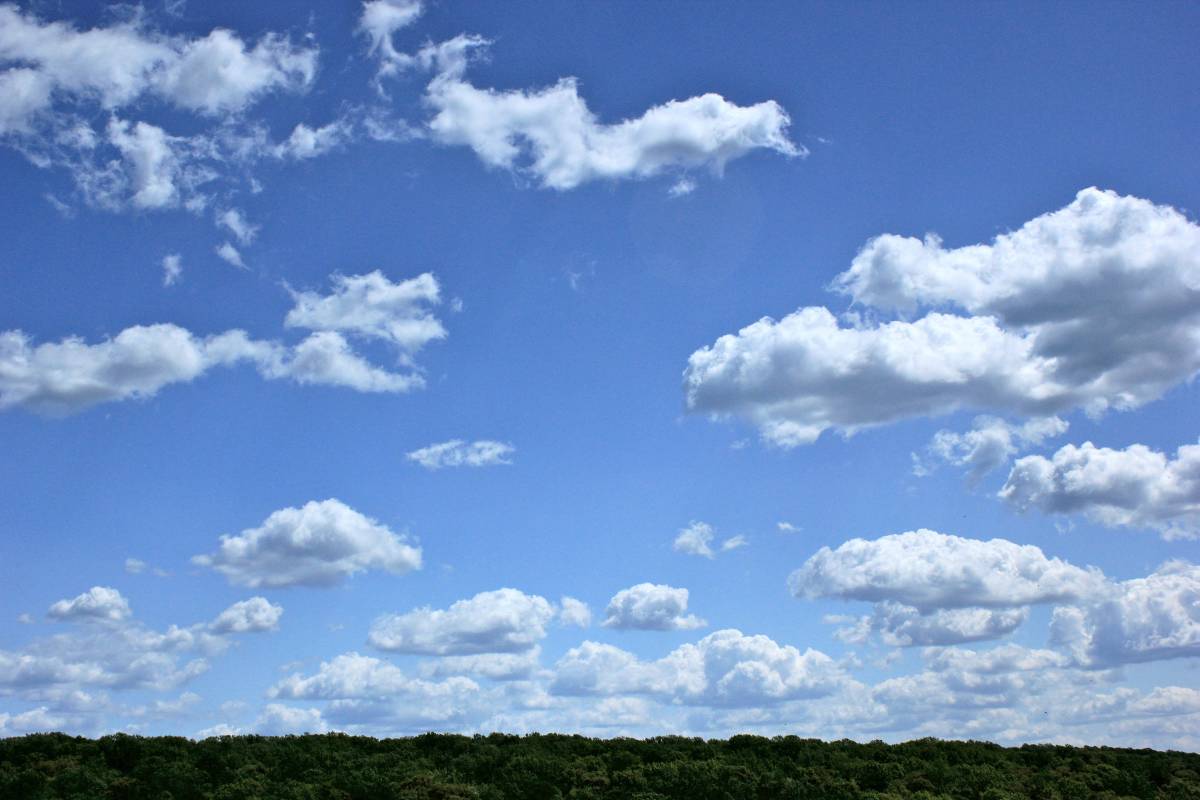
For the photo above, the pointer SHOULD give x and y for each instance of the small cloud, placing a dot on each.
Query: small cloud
(26, 619)
(229, 253)
(458, 453)
(172, 266)
(681, 187)
(233, 221)
(695, 540)
(787, 527)
(734, 542)
(135, 566)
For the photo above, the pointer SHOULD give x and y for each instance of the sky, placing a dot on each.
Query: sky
(610, 368)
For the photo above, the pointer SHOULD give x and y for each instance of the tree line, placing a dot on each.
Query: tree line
(559, 767)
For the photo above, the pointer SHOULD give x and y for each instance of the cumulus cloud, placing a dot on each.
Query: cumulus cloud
(305, 142)
(651, 607)
(1093, 306)
(898, 625)
(725, 668)
(362, 689)
(493, 666)
(930, 571)
(552, 135)
(574, 612)
(98, 603)
(278, 719)
(1143, 619)
(248, 616)
(71, 375)
(319, 544)
(695, 540)
(1135, 487)
(116, 65)
(172, 266)
(500, 621)
(373, 307)
(989, 444)
(459, 453)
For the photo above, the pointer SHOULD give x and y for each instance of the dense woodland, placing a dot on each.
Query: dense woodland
(542, 767)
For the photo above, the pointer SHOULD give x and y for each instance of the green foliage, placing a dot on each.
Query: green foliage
(552, 767)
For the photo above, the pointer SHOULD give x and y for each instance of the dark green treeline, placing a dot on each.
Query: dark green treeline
(537, 767)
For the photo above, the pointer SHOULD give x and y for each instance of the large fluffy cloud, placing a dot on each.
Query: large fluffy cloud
(552, 135)
(651, 607)
(319, 544)
(930, 571)
(248, 616)
(1143, 619)
(1096, 305)
(500, 621)
(1134, 487)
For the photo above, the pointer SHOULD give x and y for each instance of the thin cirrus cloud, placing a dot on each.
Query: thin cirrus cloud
(1093, 306)
(66, 377)
(1135, 487)
(459, 453)
(318, 544)
(651, 607)
(551, 135)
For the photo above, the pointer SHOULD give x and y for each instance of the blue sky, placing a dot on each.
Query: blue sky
(613, 368)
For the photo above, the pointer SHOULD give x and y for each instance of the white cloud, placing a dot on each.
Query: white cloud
(366, 690)
(248, 616)
(1144, 619)
(1094, 306)
(1135, 487)
(319, 544)
(458, 453)
(116, 65)
(787, 527)
(98, 603)
(500, 621)
(69, 376)
(493, 666)
(135, 566)
(232, 220)
(990, 443)
(305, 142)
(682, 187)
(695, 540)
(899, 625)
(552, 135)
(229, 254)
(172, 265)
(379, 21)
(152, 164)
(574, 612)
(725, 668)
(651, 607)
(277, 719)
(734, 542)
(326, 358)
(373, 307)
(929, 571)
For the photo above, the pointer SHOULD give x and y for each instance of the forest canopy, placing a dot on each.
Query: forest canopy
(545, 767)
